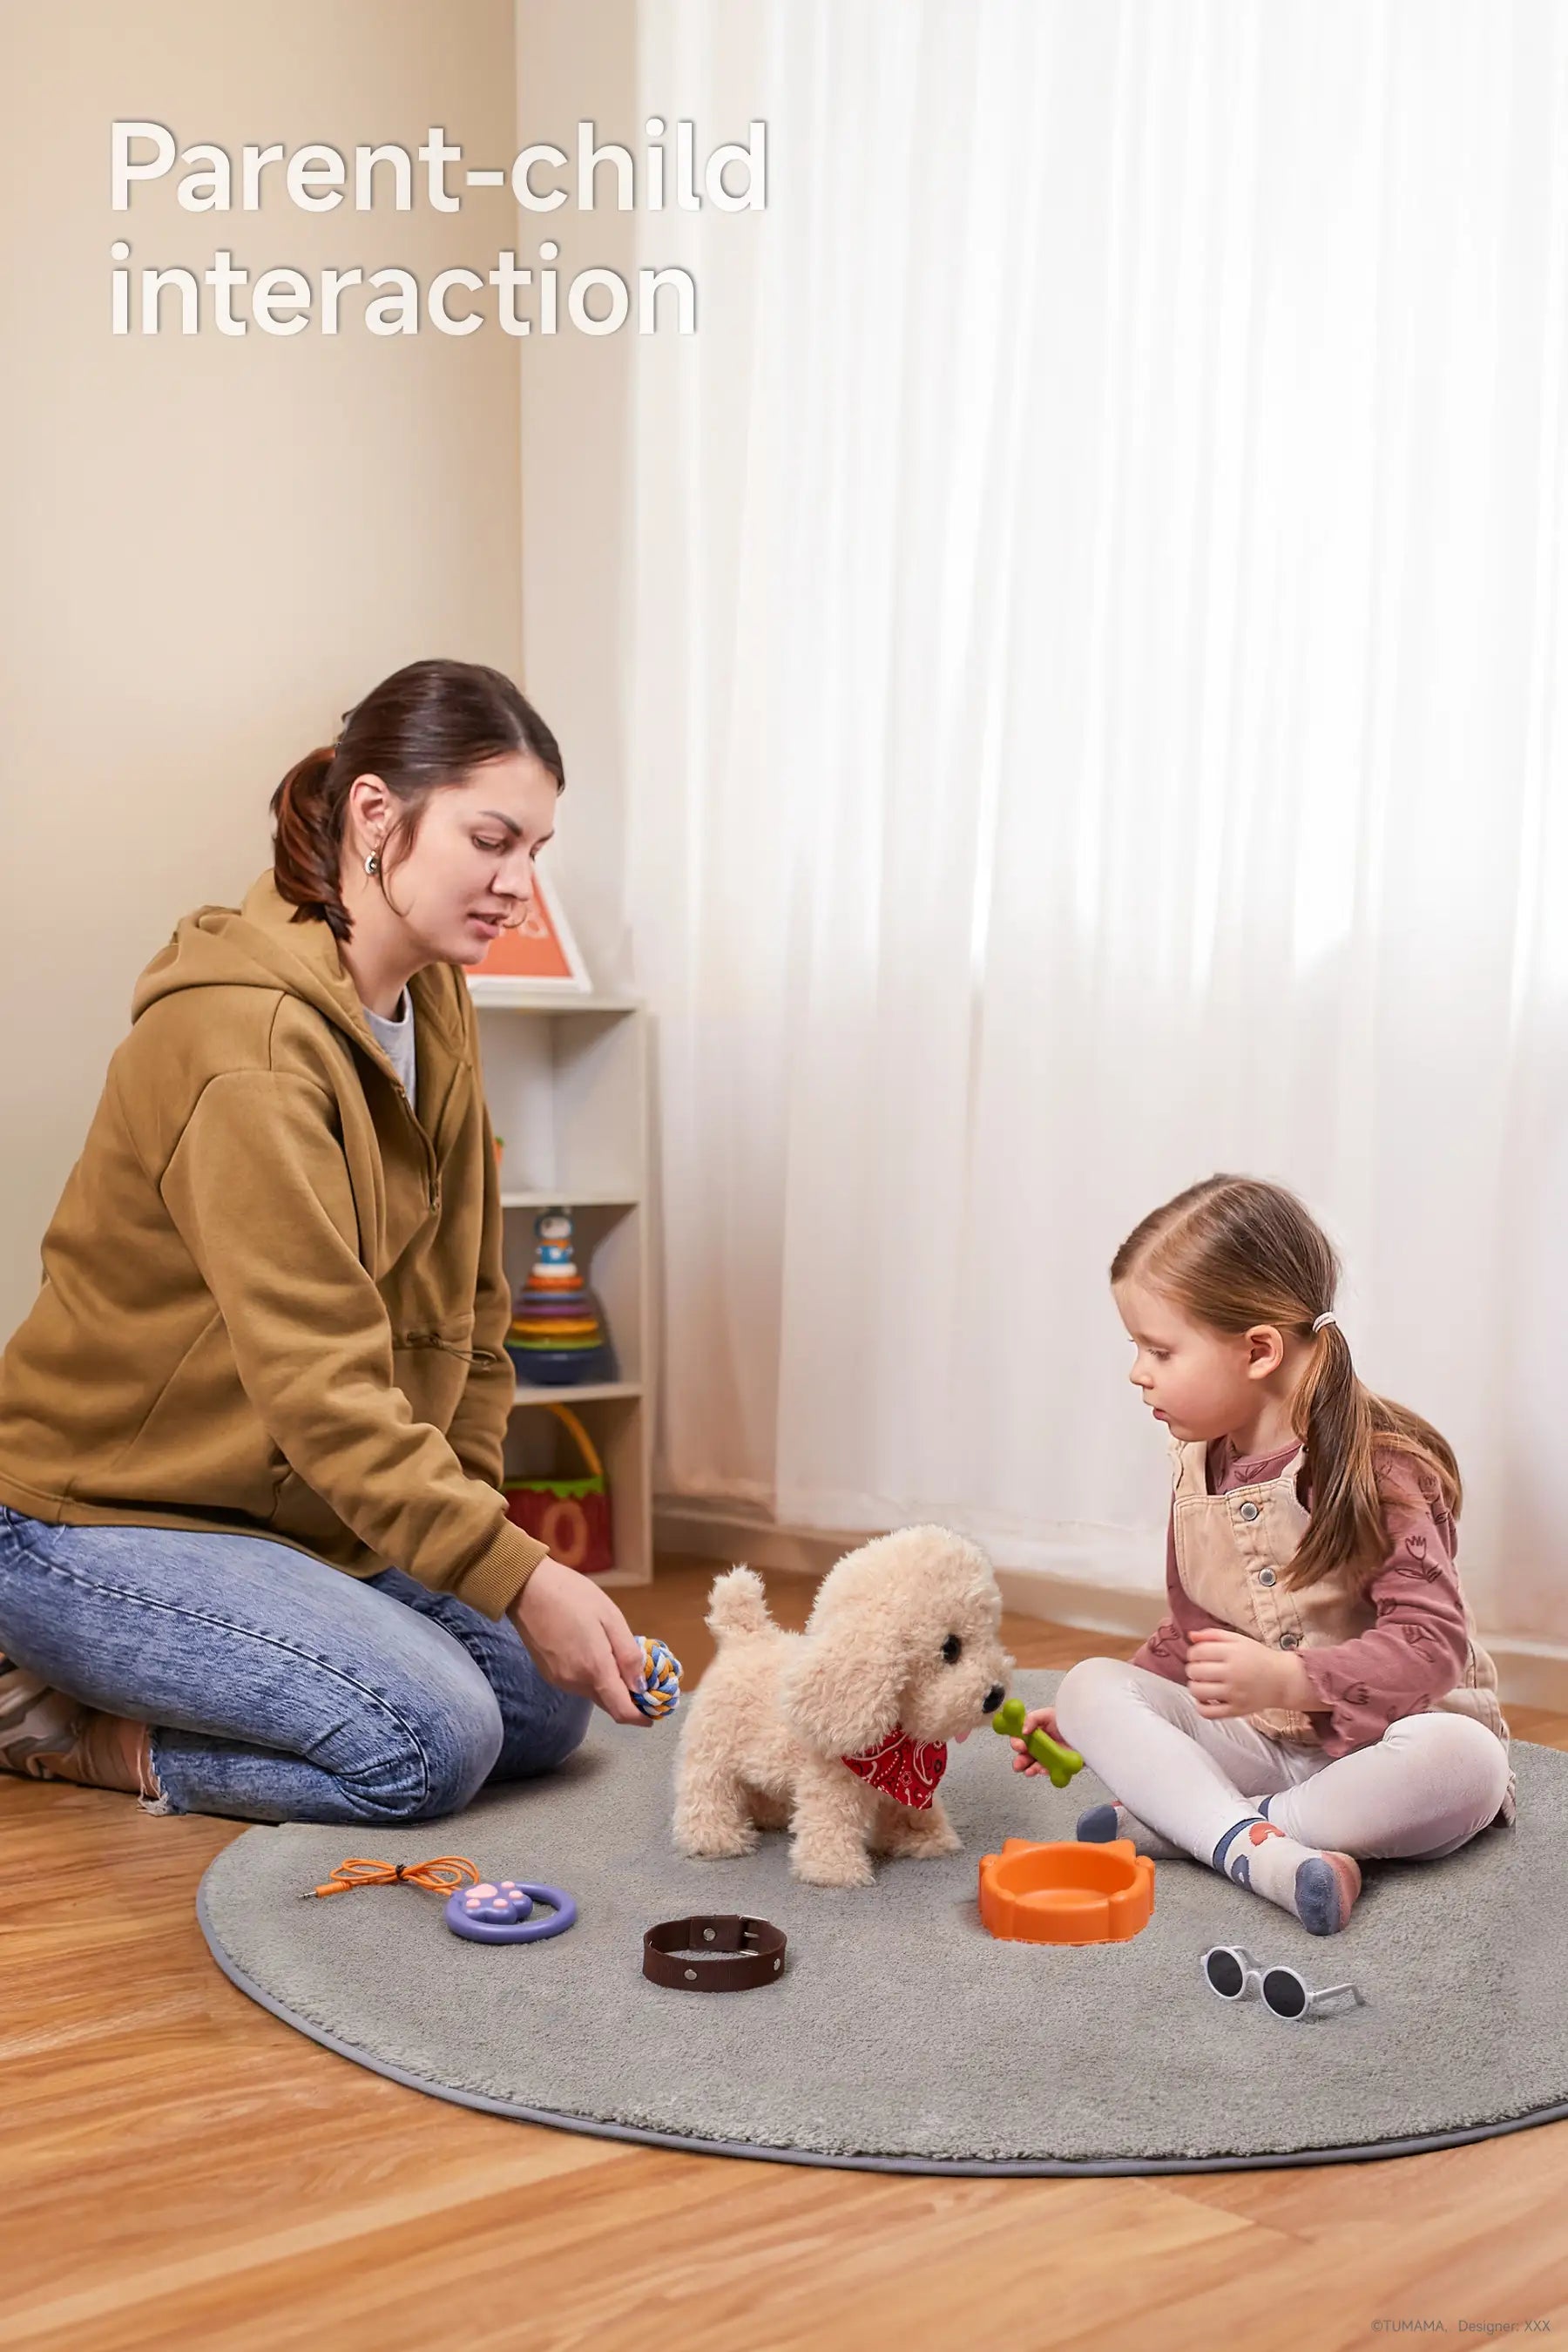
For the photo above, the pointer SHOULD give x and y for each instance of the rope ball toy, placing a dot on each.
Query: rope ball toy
(660, 1692)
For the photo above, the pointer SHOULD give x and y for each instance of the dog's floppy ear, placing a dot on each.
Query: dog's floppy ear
(841, 1690)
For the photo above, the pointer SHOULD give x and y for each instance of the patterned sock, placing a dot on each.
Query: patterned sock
(1103, 1823)
(46, 1736)
(1320, 1888)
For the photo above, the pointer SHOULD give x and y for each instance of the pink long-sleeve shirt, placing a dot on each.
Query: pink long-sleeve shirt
(1414, 1652)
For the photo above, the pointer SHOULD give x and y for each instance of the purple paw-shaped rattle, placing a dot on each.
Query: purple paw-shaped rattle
(503, 1913)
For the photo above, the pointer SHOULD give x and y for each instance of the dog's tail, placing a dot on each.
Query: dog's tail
(738, 1604)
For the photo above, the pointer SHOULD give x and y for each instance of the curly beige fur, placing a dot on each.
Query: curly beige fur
(767, 1729)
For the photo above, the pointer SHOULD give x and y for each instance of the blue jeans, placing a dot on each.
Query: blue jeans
(279, 1689)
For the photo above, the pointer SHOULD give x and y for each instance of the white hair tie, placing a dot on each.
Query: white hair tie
(1319, 1322)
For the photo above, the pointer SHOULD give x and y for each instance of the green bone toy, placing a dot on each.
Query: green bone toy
(1061, 1763)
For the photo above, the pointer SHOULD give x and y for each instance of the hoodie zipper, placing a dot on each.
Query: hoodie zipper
(432, 1167)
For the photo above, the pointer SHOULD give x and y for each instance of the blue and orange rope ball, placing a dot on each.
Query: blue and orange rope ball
(660, 1692)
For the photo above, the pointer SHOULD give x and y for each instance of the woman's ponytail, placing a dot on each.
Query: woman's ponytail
(306, 850)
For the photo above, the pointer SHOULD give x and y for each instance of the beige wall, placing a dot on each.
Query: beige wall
(577, 62)
(212, 546)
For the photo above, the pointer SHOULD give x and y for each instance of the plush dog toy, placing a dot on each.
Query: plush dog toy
(840, 1733)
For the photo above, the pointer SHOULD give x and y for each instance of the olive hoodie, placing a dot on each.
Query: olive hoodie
(274, 1301)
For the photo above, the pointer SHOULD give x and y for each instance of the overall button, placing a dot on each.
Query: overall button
(1289, 1641)
(1248, 1511)
(1266, 1576)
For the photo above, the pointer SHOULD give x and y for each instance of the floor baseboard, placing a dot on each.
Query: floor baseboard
(697, 1530)
(1531, 1673)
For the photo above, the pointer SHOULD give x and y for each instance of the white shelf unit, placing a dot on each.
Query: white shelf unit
(566, 1080)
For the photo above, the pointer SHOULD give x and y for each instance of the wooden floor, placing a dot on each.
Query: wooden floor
(178, 2168)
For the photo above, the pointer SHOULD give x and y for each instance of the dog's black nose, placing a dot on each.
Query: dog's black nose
(993, 1698)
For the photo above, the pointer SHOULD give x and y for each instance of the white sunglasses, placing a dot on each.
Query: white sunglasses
(1235, 1974)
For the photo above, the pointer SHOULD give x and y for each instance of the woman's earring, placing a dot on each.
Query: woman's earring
(373, 864)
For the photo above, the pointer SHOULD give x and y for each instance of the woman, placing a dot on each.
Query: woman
(254, 1560)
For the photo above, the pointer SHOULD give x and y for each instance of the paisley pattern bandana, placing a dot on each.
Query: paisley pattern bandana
(904, 1769)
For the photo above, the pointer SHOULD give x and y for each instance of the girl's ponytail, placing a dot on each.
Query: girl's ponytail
(306, 850)
(1333, 1414)
(1341, 1419)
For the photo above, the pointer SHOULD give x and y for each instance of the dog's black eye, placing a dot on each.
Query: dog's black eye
(952, 1649)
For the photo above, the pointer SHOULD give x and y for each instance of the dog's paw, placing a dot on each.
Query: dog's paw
(713, 1848)
(943, 1839)
(832, 1869)
(922, 1839)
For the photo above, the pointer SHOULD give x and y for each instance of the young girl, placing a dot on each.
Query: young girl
(1316, 1692)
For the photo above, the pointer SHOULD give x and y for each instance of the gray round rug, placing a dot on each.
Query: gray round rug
(902, 2037)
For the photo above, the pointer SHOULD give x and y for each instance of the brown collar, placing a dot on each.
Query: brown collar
(719, 1952)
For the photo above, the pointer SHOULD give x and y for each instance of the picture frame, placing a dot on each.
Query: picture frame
(541, 958)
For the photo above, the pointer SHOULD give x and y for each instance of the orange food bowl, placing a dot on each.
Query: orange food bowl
(1069, 1893)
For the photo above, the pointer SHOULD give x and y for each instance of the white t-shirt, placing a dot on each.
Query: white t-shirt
(396, 1038)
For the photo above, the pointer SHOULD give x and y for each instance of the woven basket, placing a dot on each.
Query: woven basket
(571, 1516)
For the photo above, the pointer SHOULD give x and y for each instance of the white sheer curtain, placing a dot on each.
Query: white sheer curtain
(1099, 624)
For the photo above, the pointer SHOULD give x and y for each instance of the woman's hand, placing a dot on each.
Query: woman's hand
(1039, 1718)
(578, 1640)
(1230, 1674)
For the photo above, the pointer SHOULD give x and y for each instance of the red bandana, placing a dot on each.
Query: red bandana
(904, 1769)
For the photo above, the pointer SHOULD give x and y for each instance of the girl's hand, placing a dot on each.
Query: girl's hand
(578, 1640)
(1230, 1674)
(1039, 1718)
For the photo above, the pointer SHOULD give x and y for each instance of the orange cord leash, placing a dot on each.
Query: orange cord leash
(441, 1875)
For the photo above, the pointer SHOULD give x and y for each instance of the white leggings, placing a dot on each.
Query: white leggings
(1424, 1788)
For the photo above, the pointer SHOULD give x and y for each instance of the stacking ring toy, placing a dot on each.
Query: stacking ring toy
(502, 1914)
(660, 1692)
